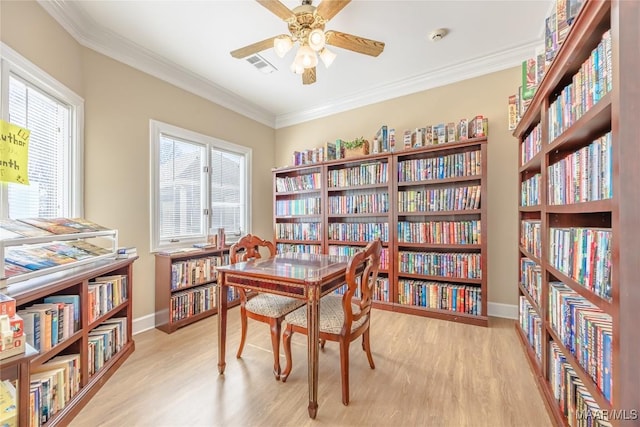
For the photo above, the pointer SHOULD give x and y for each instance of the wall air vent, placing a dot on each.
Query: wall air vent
(261, 64)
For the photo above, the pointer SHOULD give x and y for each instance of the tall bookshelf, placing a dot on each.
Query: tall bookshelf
(367, 197)
(186, 286)
(580, 153)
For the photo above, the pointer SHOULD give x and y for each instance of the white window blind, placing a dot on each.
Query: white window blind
(181, 189)
(54, 115)
(227, 192)
(48, 121)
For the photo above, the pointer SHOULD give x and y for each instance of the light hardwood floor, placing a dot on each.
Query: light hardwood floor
(428, 373)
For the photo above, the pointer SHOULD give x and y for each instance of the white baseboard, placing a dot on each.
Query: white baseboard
(144, 323)
(507, 311)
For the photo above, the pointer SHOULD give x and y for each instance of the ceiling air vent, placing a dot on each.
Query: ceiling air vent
(261, 64)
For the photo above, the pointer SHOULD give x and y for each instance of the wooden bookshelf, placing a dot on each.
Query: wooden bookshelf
(611, 312)
(186, 283)
(75, 281)
(360, 201)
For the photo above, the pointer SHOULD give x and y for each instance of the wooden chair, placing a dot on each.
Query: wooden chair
(342, 318)
(267, 308)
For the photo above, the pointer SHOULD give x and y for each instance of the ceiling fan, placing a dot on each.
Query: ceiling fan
(306, 27)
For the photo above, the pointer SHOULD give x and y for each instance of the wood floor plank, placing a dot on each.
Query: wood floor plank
(428, 372)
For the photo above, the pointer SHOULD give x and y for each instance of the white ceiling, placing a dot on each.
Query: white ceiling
(188, 42)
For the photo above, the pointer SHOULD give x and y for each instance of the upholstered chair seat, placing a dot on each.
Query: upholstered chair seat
(270, 305)
(331, 315)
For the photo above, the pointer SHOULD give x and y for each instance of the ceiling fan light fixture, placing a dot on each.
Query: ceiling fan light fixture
(327, 57)
(296, 68)
(317, 39)
(306, 57)
(282, 45)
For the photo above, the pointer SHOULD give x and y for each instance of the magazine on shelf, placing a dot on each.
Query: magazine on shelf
(89, 247)
(90, 225)
(22, 229)
(68, 250)
(49, 225)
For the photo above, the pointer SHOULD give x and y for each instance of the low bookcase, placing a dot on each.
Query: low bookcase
(186, 286)
(93, 341)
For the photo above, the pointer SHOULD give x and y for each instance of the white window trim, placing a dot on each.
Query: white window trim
(14, 63)
(156, 128)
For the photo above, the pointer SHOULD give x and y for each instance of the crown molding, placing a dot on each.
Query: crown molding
(93, 36)
(497, 61)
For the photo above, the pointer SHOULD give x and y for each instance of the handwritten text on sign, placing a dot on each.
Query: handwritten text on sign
(14, 153)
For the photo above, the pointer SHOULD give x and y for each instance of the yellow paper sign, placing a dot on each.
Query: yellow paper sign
(14, 153)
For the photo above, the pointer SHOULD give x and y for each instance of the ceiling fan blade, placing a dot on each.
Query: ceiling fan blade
(278, 9)
(243, 52)
(329, 8)
(309, 76)
(354, 43)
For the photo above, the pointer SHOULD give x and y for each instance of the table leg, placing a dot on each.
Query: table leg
(222, 320)
(313, 337)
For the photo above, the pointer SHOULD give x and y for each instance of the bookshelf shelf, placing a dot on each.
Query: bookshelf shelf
(533, 303)
(378, 177)
(196, 274)
(75, 282)
(532, 165)
(598, 238)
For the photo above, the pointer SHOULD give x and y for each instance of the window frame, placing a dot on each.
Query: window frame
(12, 63)
(156, 129)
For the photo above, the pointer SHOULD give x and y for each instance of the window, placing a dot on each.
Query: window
(54, 115)
(199, 184)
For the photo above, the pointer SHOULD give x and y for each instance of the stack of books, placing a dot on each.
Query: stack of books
(12, 340)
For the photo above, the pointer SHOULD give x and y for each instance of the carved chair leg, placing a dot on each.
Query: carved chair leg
(322, 343)
(243, 331)
(344, 370)
(366, 344)
(286, 342)
(275, 343)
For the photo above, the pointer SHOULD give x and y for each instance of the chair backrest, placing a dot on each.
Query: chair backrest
(362, 272)
(248, 247)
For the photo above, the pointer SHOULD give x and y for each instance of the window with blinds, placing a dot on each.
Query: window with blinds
(200, 184)
(53, 115)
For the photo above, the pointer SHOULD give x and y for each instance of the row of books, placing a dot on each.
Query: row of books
(105, 341)
(531, 325)
(531, 236)
(190, 303)
(440, 232)
(584, 175)
(52, 385)
(376, 203)
(307, 206)
(586, 331)
(26, 258)
(299, 231)
(574, 400)
(196, 271)
(531, 144)
(39, 227)
(298, 248)
(106, 293)
(364, 174)
(350, 251)
(309, 156)
(51, 322)
(310, 181)
(441, 296)
(530, 191)
(590, 84)
(476, 127)
(462, 265)
(441, 167)
(584, 254)
(440, 199)
(379, 292)
(358, 232)
(557, 26)
(531, 278)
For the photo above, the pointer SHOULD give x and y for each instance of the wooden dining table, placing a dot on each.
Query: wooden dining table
(303, 276)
